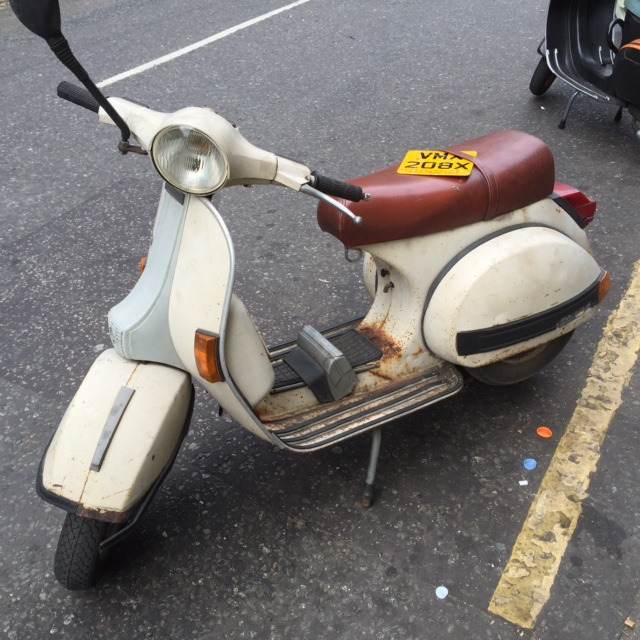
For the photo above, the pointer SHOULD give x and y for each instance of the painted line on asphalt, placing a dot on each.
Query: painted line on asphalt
(526, 582)
(198, 45)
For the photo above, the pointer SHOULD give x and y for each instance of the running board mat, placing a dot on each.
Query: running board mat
(358, 350)
(328, 424)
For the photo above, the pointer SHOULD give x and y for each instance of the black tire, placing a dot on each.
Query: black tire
(541, 79)
(520, 367)
(77, 561)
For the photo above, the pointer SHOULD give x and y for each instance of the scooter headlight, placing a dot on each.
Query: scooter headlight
(189, 160)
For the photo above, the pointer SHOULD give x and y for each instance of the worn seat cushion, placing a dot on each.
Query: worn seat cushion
(512, 170)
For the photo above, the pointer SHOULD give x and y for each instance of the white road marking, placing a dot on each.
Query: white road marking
(527, 580)
(198, 45)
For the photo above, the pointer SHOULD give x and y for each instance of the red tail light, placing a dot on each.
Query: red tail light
(585, 207)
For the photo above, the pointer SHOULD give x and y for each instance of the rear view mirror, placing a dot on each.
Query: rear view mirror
(40, 16)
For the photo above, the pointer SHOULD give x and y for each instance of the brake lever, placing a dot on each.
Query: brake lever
(314, 193)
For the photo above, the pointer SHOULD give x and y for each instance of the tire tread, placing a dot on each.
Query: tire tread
(78, 552)
(542, 78)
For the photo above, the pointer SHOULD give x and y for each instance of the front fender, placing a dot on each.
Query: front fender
(119, 434)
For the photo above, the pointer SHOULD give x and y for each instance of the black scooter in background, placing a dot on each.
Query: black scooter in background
(594, 46)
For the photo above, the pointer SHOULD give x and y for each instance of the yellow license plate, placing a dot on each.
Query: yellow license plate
(436, 163)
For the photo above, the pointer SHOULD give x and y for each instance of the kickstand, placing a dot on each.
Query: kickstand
(369, 491)
(618, 115)
(572, 99)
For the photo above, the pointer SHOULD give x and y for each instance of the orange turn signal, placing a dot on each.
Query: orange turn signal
(143, 264)
(207, 356)
(605, 286)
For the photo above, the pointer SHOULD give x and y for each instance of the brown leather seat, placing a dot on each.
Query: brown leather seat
(512, 169)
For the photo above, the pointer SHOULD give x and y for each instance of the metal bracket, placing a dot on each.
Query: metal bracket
(124, 147)
(356, 258)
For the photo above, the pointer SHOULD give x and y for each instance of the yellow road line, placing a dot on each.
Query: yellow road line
(526, 582)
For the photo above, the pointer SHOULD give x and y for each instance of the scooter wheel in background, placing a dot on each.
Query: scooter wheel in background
(77, 561)
(522, 366)
(541, 79)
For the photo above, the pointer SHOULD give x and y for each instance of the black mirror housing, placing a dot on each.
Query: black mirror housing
(42, 17)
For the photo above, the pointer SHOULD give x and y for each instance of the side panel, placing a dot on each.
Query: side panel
(518, 276)
(201, 298)
(186, 286)
(246, 354)
(576, 38)
(138, 324)
(407, 269)
(145, 436)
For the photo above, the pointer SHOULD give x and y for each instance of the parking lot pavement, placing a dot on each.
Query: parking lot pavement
(244, 541)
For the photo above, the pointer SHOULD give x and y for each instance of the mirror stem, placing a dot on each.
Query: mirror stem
(61, 48)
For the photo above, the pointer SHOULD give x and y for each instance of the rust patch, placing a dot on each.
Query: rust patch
(389, 347)
(379, 373)
(104, 514)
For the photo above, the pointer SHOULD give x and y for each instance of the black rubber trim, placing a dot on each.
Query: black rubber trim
(493, 338)
(569, 209)
(52, 498)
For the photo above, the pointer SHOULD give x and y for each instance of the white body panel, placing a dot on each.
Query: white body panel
(138, 324)
(145, 438)
(201, 298)
(515, 275)
(197, 295)
(413, 264)
(187, 285)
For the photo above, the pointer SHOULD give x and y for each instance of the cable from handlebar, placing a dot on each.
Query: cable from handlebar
(336, 188)
(59, 45)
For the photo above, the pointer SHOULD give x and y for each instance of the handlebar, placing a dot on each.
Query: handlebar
(77, 95)
(319, 186)
(332, 187)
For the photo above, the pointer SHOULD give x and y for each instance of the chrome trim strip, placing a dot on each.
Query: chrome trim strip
(554, 65)
(113, 420)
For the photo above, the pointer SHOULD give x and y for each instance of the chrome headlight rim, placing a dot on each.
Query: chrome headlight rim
(166, 166)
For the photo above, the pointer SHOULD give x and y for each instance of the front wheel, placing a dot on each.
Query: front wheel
(78, 558)
(522, 366)
(541, 79)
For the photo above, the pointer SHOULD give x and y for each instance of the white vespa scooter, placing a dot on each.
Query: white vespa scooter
(485, 267)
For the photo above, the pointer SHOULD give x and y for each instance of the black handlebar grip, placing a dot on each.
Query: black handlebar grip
(336, 188)
(77, 95)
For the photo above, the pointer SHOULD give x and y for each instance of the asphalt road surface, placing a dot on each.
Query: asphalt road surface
(244, 541)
